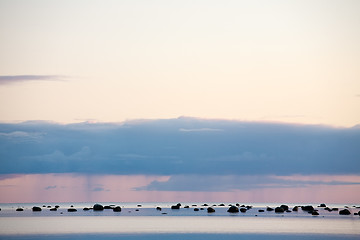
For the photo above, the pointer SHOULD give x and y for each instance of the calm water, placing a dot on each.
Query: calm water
(139, 222)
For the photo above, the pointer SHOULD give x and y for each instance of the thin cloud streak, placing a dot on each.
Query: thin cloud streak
(24, 78)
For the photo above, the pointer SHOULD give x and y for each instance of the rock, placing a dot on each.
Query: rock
(98, 207)
(136, 210)
(327, 209)
(202, 209)
(139, 205)
(19, 209)
(36, 209)
(194, 205)
(344, 212)
(279, 210)
(238, 205)
(117, 209)
(48, 206)
(72, 210)
(222, 205)
(210, 210)
(186, 206)
(86, 209)
(261, 210)
(205, 205)
(57, 206)
(243, 210)
(158, 208)
(308, 208)
(233, 209)
(44, 205)
(53, 209)
(269, 209)
(175, 207)
(335, 209)
(285, 207)
(108, 207)
(295, 209)
(288, 211)
(248, 207)
(196, 209)
(322, 205)
(72, 206)
(314, 213)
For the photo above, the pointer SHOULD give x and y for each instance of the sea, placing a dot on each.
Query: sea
(191, 221)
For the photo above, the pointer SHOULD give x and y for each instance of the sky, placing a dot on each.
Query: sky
(259, 98)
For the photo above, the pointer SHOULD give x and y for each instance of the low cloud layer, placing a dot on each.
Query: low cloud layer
(23, 78)
(183, 146)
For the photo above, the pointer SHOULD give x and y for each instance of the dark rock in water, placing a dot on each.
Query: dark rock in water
(139, 205)
(210, 210)
(205, 205)
(285, 207)
(57, 206)
(136, 210)
(295, 209)
(288, 211)
(72, 210)
(175, 207)
(98, 207)
(53, 209)
(314, 213)
(279, 210)
(179, 204)
(335, 209)
(108, 207)
(344, 212)
(194, 205)
(72, 206)
(233, 209)
(19, 209)
(48, 206)
(359, 212)
(327, 209)
(222, 205)
(269, 209)
(202, 209)
(44, 205)
(186, 206)
(248, 207)
(36, 209)
(196, 209)
(164, 213)
(322, 205)
(238, 205)
(158, 208)
(117, 209)
(261, 210)
(356, 213)
(86, 209)
(308, 208)
(243, 210)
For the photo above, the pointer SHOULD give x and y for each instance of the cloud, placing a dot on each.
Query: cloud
(157, 147)
(221, 183)
(24, 78)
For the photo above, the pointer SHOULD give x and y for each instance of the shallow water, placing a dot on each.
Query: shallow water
(139, 222)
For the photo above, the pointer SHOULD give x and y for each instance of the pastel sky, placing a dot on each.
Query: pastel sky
(271, 88)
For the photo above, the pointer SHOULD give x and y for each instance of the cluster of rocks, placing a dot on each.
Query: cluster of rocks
(210, 209)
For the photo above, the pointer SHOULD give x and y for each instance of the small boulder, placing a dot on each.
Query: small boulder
(261, 210)
(344, 212)
(269, 209)
(285, 207)
(107, 207)
(57, 206)
(98, 207)
(175, 207)
(322, 205)
(243, 210)
(210, 210)
(222, 205)
(233, 209)
(117, 209)
(36, 209)
(295, 209)
(158, 208)
(186, 206)
(53, 209)
(308, 208)
(315, 213)
(86, 209)
(196, 209)
(279, 210)
(19, 209)
(72, 210)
